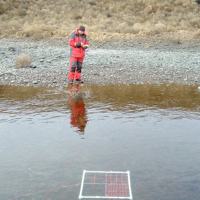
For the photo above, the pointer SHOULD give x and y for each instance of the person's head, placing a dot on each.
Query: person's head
(81, 30)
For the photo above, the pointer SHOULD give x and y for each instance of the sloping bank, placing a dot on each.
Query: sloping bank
(127, 63)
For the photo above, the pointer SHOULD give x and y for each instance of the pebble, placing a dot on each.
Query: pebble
(33, 66)
(35, 82)
(13, 49)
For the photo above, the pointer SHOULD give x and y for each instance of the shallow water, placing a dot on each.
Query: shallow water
(48, 137)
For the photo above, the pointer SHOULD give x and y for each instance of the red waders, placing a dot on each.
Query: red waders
(75, 68)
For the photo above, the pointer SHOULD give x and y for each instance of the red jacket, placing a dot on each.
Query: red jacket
(74, 39)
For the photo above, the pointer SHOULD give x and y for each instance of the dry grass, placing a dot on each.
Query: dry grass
(23, 60)
(105, 19)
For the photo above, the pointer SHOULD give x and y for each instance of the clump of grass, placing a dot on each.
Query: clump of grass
(23, 61)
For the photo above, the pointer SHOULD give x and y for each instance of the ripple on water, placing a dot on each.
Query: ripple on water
(124, 101)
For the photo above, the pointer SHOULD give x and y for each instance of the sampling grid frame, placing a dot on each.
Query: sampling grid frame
(112, 184)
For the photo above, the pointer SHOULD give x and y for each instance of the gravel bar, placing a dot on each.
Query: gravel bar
(107, 63)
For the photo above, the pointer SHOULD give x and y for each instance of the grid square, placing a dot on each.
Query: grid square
(105, 185)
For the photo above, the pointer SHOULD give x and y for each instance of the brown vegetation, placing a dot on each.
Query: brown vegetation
(23, 60)
(104, 19)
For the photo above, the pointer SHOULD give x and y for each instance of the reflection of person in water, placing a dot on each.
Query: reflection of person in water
(77, 107)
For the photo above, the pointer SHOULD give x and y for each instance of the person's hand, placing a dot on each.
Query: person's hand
(85, 46)
(82, 44)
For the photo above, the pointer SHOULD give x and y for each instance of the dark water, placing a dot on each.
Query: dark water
(48, 137)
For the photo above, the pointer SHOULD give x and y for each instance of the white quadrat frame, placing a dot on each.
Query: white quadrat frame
(105, 197)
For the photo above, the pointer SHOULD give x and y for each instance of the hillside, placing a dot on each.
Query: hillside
(105, 19)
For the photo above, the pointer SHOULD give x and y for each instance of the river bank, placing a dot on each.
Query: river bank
(136, 62)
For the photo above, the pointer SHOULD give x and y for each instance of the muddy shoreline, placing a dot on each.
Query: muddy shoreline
(136, 62)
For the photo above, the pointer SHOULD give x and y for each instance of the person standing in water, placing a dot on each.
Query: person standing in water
(78, 43)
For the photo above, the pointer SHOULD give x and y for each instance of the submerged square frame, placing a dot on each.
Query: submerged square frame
(105, 180)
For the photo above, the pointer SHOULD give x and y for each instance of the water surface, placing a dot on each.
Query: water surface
(48, 137)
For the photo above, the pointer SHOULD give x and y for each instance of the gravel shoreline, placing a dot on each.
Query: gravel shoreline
(107, 63)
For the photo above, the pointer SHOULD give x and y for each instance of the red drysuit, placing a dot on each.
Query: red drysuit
(78, 43)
